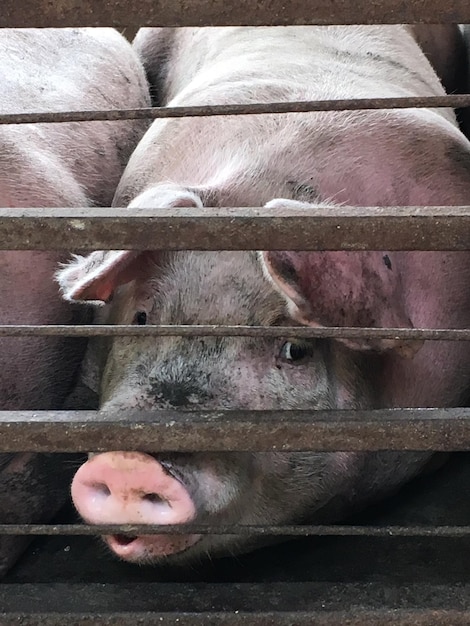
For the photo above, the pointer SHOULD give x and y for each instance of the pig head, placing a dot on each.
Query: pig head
(290, 164)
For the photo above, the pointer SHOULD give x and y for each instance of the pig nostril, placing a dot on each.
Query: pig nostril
(153, 498)
(102, 489)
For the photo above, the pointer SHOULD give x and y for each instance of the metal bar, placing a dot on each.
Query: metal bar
(250, 108)
(34, 14)
(282, 431)
(334, 332)
(133, 617)
(237, 603)
(283, 531)
(241, 228)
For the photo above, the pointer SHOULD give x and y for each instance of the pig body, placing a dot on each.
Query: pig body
(444, 47)
(292, 163)
(53, 165)
(465, 113)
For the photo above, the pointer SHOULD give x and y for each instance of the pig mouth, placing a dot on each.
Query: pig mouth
(123, 540)
(149, 548)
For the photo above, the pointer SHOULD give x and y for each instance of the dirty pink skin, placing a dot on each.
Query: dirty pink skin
(286, 163)
(53, 165)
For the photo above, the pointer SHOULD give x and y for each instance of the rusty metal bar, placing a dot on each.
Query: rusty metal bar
(284, 531)
(257, 604)
(250, 108)
(31, 13)
(332, 332)
(133, 617)
(242, 228)
(170, 430)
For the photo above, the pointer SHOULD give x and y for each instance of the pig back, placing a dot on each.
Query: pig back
(53, 165)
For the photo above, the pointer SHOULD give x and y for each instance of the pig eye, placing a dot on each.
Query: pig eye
(140, 318)
(295, 351)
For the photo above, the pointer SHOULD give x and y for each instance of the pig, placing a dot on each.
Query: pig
(447, 48)
(53, 165)
(444, 46)
(290, 163)
(465, 113)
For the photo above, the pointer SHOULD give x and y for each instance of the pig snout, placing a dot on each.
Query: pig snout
(133, 488)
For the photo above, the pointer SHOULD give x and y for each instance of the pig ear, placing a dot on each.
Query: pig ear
(94, 278)
(342, 289)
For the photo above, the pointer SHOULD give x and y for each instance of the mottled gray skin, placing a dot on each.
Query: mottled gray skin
(53, 165)
(364, 158)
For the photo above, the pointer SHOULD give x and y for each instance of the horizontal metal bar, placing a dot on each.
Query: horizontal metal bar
(284, 531)
(333, 332)
(250, 108)
(282, 431)
(132, 617)
(31, 13)
(257, 604)
(241, 228)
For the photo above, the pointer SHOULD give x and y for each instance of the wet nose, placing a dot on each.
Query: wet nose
(129, 488)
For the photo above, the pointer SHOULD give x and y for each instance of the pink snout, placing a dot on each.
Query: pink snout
(133, 488)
